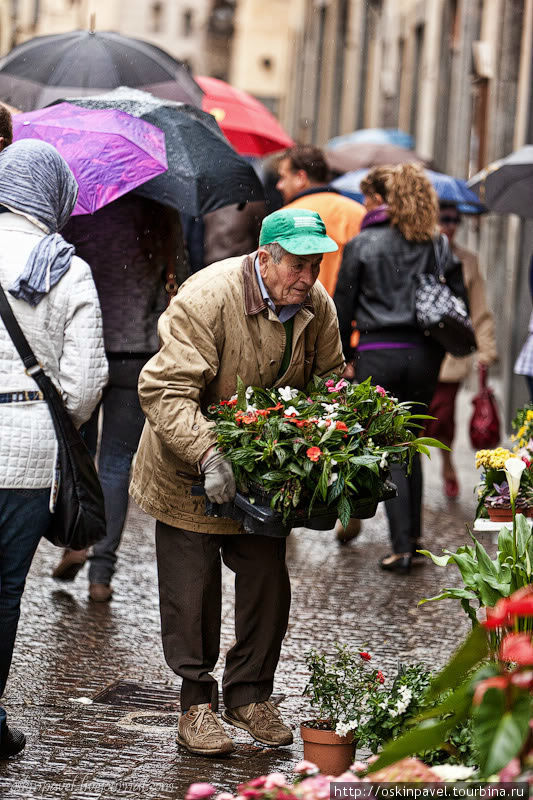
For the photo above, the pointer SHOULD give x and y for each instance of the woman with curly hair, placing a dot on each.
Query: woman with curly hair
(376, 288)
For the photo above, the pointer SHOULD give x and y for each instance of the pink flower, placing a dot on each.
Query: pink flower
(330, 383)
(340, 384)
(275, 779)
(381, 391)
(359, 766)
(199, 791)
(509, 773)
(225, 796)
(255, 783)
(306, 768)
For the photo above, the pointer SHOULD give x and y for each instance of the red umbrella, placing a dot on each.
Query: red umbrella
(246, 123)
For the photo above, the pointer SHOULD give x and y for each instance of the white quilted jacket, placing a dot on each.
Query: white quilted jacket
(65, 333)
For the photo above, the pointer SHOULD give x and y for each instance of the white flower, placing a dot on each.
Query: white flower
(291, 411)
(344, 728)
(384, 706)
(406, 693)
(333, 477)
(323, 421)
(250, 409)
(514, 468)
(393, 712)
(249, 392)
(383, 464)
(453, 772)
(287, 394)
(333, 462)
(329, 408)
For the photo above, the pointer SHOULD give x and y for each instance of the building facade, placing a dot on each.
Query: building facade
(457, 75)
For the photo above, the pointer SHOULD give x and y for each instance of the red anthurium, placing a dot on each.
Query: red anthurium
(524, 680)
(497, 616)
(498, 682)
(517, 647)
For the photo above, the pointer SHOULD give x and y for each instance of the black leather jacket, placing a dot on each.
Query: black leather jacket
(376, 285)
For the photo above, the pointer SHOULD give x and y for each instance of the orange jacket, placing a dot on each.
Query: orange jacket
(342, 218)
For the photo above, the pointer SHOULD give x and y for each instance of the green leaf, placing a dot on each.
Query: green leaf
(241, 394)
(523, 534)
(323, 482)
(500, 733)
(505, 544)
(281, 454)
(417, 740)
(487, 595)
(344, 510)
(469, 611)
(485, 564)
(459, 702)
(473, 650)
(429, 442)
(296, 469)
(454, 593)
(440, 561)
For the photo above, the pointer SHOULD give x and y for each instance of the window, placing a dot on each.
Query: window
(156, 17)
(187, 22)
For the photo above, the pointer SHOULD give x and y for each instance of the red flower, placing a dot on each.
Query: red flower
(380, 677)
(232, 402)
(313, 453)
(527, 462)
(498, 682)
(248, 419)
(517, 647)
(277, 407)
(263, 412)
(519, 604)
(365, 656)
(341, 426)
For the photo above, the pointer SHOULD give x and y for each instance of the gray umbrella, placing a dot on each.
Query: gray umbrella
(507, 185)
(204, 172)
(45, 68)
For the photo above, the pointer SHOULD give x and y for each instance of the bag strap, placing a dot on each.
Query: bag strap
(441, 250)
(32, 366)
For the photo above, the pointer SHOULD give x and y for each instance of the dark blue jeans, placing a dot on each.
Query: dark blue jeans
(122, 425)
(24, 518)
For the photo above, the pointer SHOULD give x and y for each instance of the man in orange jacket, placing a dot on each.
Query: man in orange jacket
(303, 182)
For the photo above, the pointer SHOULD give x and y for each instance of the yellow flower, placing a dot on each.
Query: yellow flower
(529, 415)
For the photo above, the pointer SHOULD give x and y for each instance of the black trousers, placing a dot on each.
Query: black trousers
(190, 594)
(409, 374)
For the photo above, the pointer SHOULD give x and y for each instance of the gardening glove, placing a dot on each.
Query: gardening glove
(219, 481)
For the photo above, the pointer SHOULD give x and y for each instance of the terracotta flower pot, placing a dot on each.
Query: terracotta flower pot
(331, 753)
(499, 514)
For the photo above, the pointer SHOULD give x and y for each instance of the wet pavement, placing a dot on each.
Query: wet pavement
(86, 743)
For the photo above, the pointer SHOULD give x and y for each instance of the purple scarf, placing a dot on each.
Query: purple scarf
(375, 217)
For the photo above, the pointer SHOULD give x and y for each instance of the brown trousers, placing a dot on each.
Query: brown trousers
(190, 597)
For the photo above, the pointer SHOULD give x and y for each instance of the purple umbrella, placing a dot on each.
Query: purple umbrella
(109, 152)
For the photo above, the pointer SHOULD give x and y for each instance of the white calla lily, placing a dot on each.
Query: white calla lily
(514, 468)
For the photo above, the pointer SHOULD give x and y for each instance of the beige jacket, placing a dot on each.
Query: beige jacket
(217, 327)
(455, 370)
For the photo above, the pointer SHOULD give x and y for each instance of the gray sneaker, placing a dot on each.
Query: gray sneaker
(262, 720)
(200, 731)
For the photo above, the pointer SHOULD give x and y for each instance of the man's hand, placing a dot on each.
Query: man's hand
(219, 481)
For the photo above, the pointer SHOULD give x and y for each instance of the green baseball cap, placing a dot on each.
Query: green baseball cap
(298, 231)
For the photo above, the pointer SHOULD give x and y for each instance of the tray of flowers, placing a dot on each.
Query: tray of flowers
(306, 458)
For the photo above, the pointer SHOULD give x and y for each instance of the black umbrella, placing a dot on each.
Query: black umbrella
(43, 69)
(204, 172)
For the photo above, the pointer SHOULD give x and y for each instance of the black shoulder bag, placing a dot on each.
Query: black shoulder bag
(79, 516)
(439, 312)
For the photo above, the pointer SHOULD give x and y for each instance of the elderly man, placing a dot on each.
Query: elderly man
(262, 317)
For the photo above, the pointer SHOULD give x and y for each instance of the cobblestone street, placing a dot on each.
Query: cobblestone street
(68, 651)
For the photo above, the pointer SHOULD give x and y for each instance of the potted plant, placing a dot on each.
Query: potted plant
(489, 684)
(336, 687)
(323, 450)
(494, 498)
